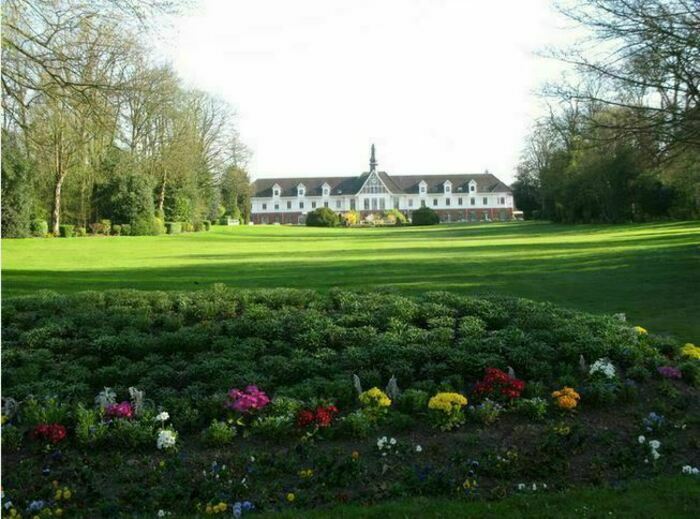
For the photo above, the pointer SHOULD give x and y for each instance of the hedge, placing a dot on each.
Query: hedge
(322, 217)
(66, 230)
(173, 227)
(206, 224)
(39, 227)
(425, 216)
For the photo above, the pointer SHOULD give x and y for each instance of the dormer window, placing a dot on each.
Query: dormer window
(301, 190)
(422, 187)
(276, 190)
(472, 187)
(326, 189)
(448, 187)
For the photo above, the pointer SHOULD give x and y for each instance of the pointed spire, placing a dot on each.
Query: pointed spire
(372, 161)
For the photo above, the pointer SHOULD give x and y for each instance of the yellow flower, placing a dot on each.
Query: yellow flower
(67, 494)
(162, 463)
(375, 397)
(59, 512)
(567, 397)
(306, 473)
(355, 455)
(469, 483)
(4, 418)
(690, 350)
(447, 402)
(640, 330)
(291, 497)
(208, 509)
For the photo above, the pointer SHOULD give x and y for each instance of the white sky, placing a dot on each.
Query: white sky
(440, 86)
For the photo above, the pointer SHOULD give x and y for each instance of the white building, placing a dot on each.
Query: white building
(466, 197)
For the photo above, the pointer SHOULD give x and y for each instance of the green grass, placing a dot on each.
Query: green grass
(669, 497)
(649, 271)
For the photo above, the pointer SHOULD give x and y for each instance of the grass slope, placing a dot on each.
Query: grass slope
(662, 497)
(649, 271)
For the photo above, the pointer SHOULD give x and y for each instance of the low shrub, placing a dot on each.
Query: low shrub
(66, 230)
(206, 224)
(394, 217)
(322, 217)
(106, 227)
(425, 216)
(80, 231)
(173, 227)
(198, 227)
(187, 226)
(349, 218)
(39, 228)
(126, 229)
(116, 230)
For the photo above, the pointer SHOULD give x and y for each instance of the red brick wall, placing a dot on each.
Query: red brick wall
(279, 217)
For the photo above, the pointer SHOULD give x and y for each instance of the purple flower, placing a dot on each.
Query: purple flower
(247, 400)
(123, 410)
(670, 372)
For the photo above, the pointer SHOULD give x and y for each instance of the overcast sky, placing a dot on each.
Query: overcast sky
(440, 86)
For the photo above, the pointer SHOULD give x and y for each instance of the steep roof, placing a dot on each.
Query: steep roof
(397, 184)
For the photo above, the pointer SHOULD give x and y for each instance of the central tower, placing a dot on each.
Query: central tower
(372, 161)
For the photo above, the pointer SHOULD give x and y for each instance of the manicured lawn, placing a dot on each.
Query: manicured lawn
(662, 497)
(649, 271)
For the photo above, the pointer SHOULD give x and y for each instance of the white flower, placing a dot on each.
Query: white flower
(161, 513)
(654, 444)
(534, 486)
(392, 441)
(641, 439)
(419, 448)
(603, 366)
(166, 439)
(655, 455)
(163, 416)
(695, 471)
(687, 469)
(521, 486)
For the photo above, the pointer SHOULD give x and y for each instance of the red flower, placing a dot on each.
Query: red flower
(497, 382)
(305, 418)
(53, 433)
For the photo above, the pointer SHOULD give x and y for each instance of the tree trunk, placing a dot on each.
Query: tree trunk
(161, 196)
(56, 215)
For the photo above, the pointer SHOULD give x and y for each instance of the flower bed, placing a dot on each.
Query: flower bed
(345, 397)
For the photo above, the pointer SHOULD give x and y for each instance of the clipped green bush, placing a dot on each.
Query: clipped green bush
(126, 229)
(206, 224)
(322, 217)
(66, 230)
(198, 227)
(39, 228)
(173, 227)
(116, 230)
(187, 226)
(80, 231)
(425, 216)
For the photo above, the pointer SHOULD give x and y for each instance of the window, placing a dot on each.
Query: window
(352, 204)
(277, 207)
(301, 205)
(374, 204)
(275, 192)
(460, 201)
(448, 187)
(396, 203)
(503, 200)
(382, 204)
(373, 186)
(289, 205)
(325, 204)
(313, 205)
(338, 204)
(326, 191)
(366, 204)
(301, 190)
(472, 201)
(422, 188)
(434, 202)
(447, 201)
(422, 203)
(410, 202)
(264, 207)
(486, 201)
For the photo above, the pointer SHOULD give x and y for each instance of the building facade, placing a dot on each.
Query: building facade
(456, 198)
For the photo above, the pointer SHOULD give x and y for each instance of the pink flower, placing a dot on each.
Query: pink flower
(123, 410)
(247, 400)
(670, 372)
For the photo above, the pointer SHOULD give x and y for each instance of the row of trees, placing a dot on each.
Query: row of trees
(94, 129)
(622, 139)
